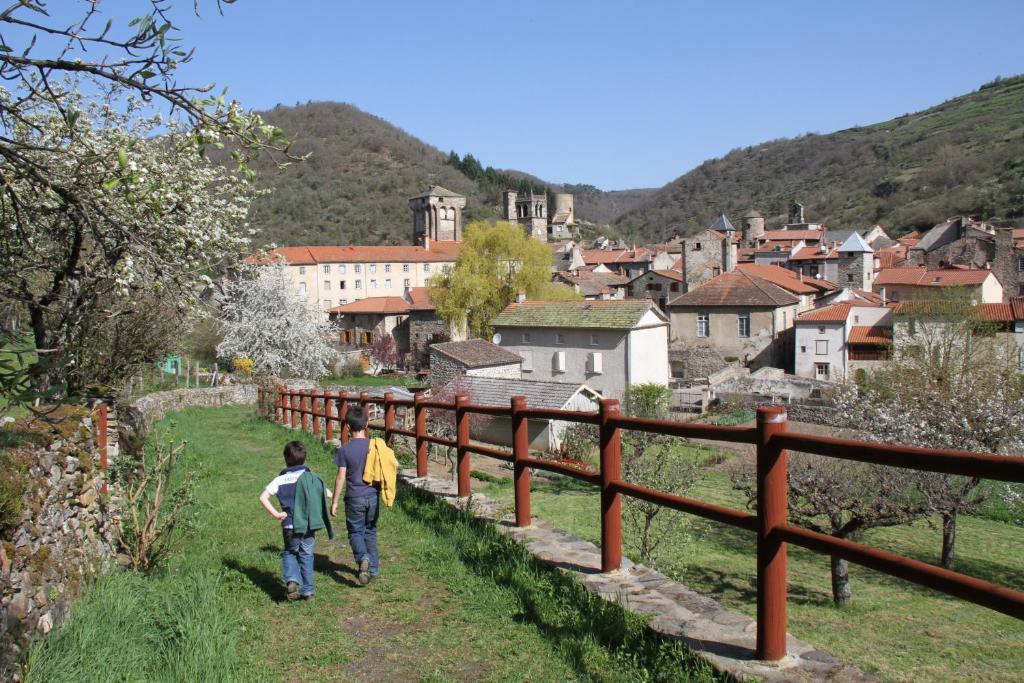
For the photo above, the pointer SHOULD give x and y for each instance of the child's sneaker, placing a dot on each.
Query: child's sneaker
(364, 571)
(292, 590)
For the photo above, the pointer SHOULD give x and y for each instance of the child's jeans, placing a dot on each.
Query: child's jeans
(361, 522)
(297, 560)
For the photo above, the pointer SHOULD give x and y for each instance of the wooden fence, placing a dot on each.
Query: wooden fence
(320, 412)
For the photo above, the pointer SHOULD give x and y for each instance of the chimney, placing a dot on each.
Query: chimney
(520, 297)
(882, 292)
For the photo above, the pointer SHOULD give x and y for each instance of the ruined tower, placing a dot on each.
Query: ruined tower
(753, 227)
(796, 214)
(436, 216)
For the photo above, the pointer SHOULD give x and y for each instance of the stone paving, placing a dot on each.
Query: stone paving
(722, 636)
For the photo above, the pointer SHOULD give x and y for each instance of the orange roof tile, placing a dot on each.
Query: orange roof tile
(786, 278)
(384, 305)
(1017, 304)
(419, 299)
(836, 313)
(736, 288)
(793, 235)
(438, 252)
(670, 274)
(813, 254)
(875, 335)
(592, 256)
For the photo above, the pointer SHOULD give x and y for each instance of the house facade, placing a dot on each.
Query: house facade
(907, 284)
(606, 345)
(471, 358)
(657, 285)
(833, 342)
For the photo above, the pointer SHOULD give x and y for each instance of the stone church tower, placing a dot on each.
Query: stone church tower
(436, 215)
(529, 211)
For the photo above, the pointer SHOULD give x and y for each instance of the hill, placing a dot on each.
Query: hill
(964, 156)
(361, 171)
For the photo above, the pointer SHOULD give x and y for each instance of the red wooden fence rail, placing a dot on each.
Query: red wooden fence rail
(769, 523)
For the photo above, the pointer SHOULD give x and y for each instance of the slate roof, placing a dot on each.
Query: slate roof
(855, 244)
(609, 315)
(722, 223)
(736, 288)
(436, 191)
(497, 391)
(476, 353)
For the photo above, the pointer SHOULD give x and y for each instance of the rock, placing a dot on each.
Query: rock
(5, 564)
(123, 560)
(88, 498)
(56, 445)
(71, 463)
(42, 597)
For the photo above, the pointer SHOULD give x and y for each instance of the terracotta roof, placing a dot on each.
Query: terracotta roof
(304, 256)
(1017, 304)
(769, 246)
(613, 315)
(813, 254)
(592, 283)
(836, 313)
(1002, 312)
(793, 235)
(670, 274)
(874, 335)
(947, 277)
(736, 288)
(476, 353)
(891, 256)
(384, 305)
(498, 391)
(593, 256)
(785, 278)
(995, 312)
(419, 299)
(437, 191)
(745, 254)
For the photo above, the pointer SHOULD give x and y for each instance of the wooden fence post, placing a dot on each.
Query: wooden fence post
(295, 408)
(304, 408)
(611, 500)
(421, 434)
(342, 412)
(389, 416)
(772, 511)
(461, 441)
(283, 400)
(520, 451)
(329, 415)
(317, 400)
(364, 402)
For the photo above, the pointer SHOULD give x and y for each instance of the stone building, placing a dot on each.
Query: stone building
(657, 285)
(1008, 261)
(424, 326)
(907, 284)
(529, 211)
(709, 254)
(833, 342)
(753, 227)
(437, 216)
(473, 358)
(856, 266)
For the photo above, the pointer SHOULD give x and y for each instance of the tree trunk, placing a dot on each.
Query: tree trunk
(841, 594)
(948, 540)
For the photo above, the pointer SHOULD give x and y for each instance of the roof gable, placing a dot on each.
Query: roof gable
(855, 244)
(736, 288)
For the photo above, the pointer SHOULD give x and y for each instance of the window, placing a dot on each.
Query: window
(594, 363)
(1020, 289)
(558, 361)
(803, 349)
(373, 268)
(302, 288)
(341, 269)
(856, 319)
(373, 284)
(821, 347)
(405, 282)
(302, 270)
(341, 284)
(387, 267)
(821, 370)
(387, 283)
(405, 267)
(527, 337)
(342, 302)
(703, 325)
(327, 268)
(743, 324)
(785, 319)
(821, 330)
(357, 268)
(593, 340)
(674, 287)
(697, 246)
(559, 338)
(715, 272)
(426, 267)
(359, 284)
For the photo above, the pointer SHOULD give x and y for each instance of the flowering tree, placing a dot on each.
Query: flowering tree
(385, 353)
(114, 210)
(267, 321)
(951, 384)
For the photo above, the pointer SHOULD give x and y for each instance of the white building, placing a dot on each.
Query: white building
(833, 342)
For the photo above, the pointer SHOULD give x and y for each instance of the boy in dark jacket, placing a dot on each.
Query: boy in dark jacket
(303, 499)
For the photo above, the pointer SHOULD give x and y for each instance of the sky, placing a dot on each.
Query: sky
(614, 94)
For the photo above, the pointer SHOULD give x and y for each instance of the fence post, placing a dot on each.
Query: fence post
(364, 402)
(389, 416)
(421, 434)
(611, 500)
(772, 511)
(295, 409)
(461, 441)
(328, 415)
(102, 441)
(342, 412)
(282, 399)
(304, 409)
(317, 395)
(520, 451)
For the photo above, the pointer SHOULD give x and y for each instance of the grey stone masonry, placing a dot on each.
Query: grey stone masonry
(723, 637)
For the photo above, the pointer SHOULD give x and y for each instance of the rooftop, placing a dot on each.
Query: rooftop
(436, 191)
(787, 279)
(736, 288)
(383, 305)
(439, 251)
(921, 276)
(874, 335)
(496, 391)
(476, 353)
(623, 314)
(592, 256)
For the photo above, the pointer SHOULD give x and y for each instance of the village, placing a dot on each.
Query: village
(745, 314)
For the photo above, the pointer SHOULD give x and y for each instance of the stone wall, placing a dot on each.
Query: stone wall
(64, 538)
(137, 418)
(690, 363)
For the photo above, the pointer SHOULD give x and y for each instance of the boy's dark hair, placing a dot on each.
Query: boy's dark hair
(294, 453)
(356, 418)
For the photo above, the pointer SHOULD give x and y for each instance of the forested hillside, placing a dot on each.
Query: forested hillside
(963, 156)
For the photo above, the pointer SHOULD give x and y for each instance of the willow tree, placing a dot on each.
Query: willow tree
(496, 262)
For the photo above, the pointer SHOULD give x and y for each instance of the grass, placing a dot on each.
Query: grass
(457, 600)
(894, 629)
(371, 381)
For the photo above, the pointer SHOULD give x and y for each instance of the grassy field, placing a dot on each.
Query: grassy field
(457, 601)
(893, 629)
